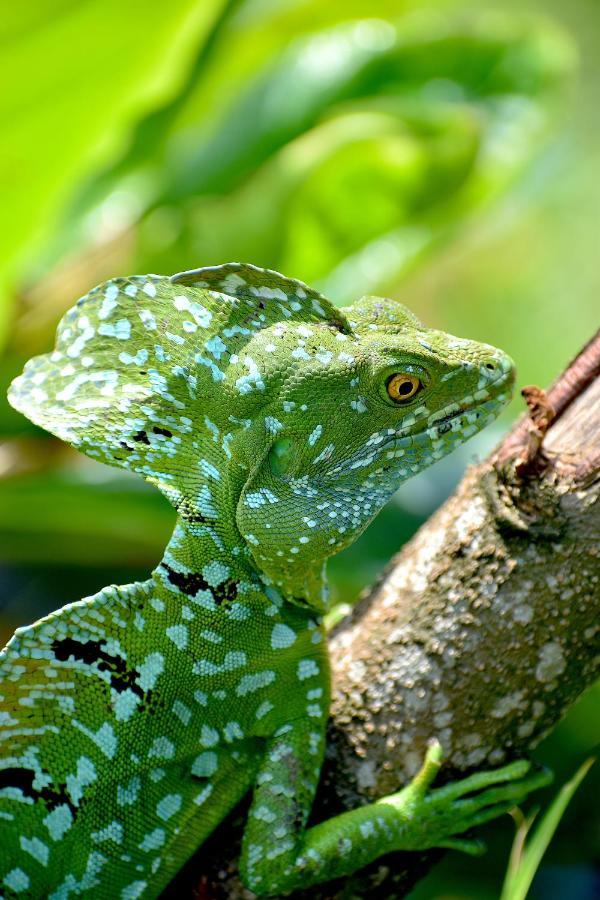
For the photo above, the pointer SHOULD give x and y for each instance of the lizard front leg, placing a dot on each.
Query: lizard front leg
(280, 855)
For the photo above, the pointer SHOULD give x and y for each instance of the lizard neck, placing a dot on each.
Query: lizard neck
(206, 566)
(212, 568)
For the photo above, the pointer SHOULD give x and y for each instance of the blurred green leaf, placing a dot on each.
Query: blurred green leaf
(425, 59)
(527, 853)
(415, 124)
(65, 520)
(75, 76)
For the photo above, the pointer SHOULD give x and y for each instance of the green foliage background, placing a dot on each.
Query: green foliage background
(444, 153)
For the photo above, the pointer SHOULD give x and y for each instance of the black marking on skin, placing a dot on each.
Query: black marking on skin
(298, 816)
(195, 518)
(225, 592)
(192, 582)
(164, 431)
(90, 652)
(150, 705)
(187, 582)
(142, 437)
(188, 511)
(22, 779)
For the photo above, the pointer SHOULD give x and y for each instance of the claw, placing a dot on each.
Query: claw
(512, 791)
(489, 813)
(480, 780)
(429, 770)
(465, 845)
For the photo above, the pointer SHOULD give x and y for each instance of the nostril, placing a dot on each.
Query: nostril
(491, 366)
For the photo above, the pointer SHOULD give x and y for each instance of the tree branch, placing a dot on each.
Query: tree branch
(482, 632)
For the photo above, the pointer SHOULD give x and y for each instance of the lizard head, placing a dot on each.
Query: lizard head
(357, 414)
(265, 415)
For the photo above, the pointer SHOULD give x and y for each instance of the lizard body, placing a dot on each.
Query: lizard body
(132, 721)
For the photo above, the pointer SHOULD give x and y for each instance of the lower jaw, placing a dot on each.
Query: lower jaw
(400, 446)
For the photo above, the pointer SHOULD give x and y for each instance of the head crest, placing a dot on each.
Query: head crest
(138, 360)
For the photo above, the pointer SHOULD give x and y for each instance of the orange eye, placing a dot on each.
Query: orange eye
(402, 386)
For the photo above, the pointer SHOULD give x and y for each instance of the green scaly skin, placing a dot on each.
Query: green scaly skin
(134, 720)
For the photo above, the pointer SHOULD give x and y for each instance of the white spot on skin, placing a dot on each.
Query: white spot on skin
(252, 381)
(272, 424)
(307, 668)
(105, 738)
(205, 504)
(121, 330)
(215, 573)
(35, 848)
(282, 637)
(151, 668)
(134, 890)
(110, 301)
(84, 775)
(59, 821)
(154, 840)
(264, 709)
(200, 314)
(209, 737)
(112, 832)
(315, 435)
(162, 748)
(168, 806)
(325, 454)
(17, 880)
(250, 683)
(367, 829)
(127, 794)
(80, 342)
(209, 470)
(215, 347)
(183, 712)
(264, 814)
(147, 319)
(232, 731)
(179, 635)
(203, 796)
(124, 705)
(205, 765)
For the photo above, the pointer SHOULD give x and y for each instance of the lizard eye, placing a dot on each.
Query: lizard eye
(402, 386)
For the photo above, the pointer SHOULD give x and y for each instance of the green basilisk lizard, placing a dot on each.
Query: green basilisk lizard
(132, 721)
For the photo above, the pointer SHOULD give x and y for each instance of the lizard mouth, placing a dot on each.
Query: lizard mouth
(466, 412)
(462, 418)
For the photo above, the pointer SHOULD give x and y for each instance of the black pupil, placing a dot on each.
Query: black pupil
(406, 388)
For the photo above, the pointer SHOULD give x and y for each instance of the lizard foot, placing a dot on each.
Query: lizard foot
(439, 817)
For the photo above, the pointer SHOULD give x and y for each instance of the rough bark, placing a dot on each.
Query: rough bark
(482, 632)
